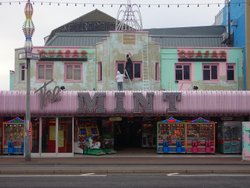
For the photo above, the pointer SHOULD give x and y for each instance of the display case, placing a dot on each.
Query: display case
(200, 136)
(229, 137)
(13, 136)
(171, 136)
(148, 135)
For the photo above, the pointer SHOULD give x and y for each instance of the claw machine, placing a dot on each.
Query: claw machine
(200, 136)
(13, 136)
(171, 136)
(229, 137)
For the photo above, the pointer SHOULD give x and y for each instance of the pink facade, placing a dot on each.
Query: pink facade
(190, 103)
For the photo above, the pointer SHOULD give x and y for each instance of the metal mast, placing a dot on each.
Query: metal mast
(129, 17)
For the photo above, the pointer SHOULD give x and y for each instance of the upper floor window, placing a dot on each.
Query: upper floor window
(230, 72)
(137, 71)
(22, 72)
(210, 72)
(157, 72)
(182, 71)
(72, 72)
(44, 71)
(99, 71)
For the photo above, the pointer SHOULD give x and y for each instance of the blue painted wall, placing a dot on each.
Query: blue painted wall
(237, 17)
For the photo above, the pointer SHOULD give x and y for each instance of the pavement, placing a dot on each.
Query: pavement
(126, 163)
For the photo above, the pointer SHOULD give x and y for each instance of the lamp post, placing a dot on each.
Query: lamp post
(28, 30)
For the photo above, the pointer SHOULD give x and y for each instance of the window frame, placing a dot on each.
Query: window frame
(234, 71)
(44, 63)
(157, 71)
(99, 71)
(134, 63)
(22, 72)
(73, 64)
(210, 69)
(183, 72)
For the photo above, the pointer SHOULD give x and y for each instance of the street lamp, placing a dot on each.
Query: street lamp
(28, 30)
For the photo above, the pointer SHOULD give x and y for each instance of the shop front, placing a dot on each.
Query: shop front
(110, 121)
(52, 136)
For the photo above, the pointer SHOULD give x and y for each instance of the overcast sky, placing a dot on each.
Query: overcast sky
(48, 17)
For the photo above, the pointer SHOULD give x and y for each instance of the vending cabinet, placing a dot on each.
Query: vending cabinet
(170, 136)
(13, 136)
(229, 137)
(200, 137)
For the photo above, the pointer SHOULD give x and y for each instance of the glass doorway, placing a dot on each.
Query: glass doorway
(65, 135)
(56, 136)
(48, 135)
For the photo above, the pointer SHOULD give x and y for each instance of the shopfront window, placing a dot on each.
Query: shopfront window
(48, 135)
(35, 135)
(65, 135)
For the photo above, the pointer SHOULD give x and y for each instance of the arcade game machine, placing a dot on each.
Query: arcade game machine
(93, 140)
(229, 137)
(171, 136)
(200, 136)
(81, 139)
(13, 136)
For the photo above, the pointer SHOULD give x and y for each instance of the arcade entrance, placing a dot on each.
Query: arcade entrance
(127, 134)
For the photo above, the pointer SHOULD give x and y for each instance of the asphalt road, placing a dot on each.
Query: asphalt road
(92, 180)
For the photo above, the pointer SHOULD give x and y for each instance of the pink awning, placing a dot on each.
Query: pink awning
(191, 103)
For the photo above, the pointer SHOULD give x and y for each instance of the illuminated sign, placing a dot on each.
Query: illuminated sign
(63, 54)
(201, 55)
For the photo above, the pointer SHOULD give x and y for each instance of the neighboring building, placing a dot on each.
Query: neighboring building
(235, 16)
(201, 68)
(12, 79)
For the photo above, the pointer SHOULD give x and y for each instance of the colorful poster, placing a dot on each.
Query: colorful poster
(52, 133)
(60, 138)
(245, 140)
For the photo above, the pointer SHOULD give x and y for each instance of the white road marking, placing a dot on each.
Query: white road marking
(172, 174)
(88, 174)
(93, 174)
